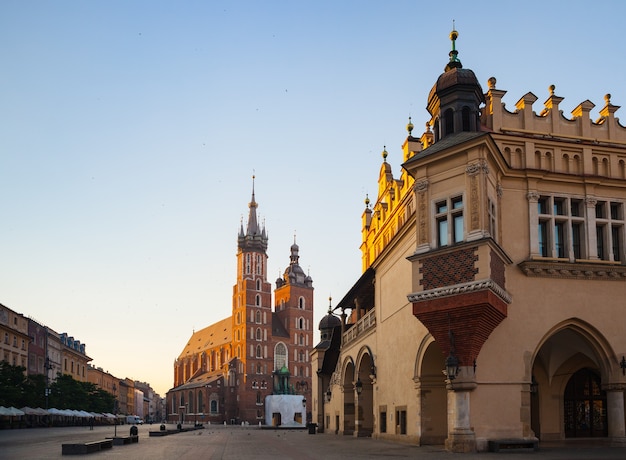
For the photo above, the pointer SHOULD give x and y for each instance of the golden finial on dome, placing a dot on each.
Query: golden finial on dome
(409, 127)
(385, 153)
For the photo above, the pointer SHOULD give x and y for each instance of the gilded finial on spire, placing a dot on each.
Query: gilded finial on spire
(454, 60)
(384, 153)
(409, 127)
(367, 200)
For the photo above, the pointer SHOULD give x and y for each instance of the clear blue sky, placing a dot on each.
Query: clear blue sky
(129, 132)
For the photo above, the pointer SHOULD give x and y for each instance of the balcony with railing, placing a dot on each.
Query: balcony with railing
(365, 324)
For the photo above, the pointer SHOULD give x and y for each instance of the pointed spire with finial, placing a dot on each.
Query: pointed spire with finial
(253, 226)
(454, 59)
(254, 236)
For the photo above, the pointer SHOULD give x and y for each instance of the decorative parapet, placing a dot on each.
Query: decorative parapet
(461, 289)
(568, 270)
(362, 325)
(550, 121)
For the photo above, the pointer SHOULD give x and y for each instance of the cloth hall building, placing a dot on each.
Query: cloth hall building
(226, 370)
(491, 302)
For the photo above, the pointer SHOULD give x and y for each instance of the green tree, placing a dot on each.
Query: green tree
(12, 385)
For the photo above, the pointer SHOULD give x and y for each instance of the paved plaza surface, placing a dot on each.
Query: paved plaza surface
(250, 442)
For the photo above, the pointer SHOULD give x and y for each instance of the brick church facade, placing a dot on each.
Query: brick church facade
(227, 369)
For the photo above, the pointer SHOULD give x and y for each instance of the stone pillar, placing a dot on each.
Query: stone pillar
(615, 413)
(461, 438)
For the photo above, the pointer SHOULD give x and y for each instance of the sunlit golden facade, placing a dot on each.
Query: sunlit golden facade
(499, 250)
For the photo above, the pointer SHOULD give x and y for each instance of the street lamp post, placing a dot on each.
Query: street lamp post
(115, 409)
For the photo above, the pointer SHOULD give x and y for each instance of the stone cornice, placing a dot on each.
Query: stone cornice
(589, 271)
(461, 289)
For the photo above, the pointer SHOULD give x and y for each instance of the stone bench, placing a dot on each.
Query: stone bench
(498, 445)
(80, 448)
(122, 440)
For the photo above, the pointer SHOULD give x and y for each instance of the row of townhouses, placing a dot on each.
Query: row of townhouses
(41, 350)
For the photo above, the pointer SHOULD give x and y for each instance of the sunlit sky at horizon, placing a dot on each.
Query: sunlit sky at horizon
(129, 133)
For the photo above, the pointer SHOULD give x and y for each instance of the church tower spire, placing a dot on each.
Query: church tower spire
(255, 237)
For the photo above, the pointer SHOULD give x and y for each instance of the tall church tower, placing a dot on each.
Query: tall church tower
(252, 313)
(293, 299)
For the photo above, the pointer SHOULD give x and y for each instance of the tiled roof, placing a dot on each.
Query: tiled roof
(216, 334)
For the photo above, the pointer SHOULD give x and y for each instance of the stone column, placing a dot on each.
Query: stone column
(461, 438)
(615, 413)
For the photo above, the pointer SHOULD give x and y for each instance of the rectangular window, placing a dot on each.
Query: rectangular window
(449, 221)
(559, 239)
(543, 238)
(492, 219)
(442, 231)
(600, 241)
(543, 205)
(616, 232)
(616, 213)
(576, 208)
(559, 209)
(401, 421)
(576, 240)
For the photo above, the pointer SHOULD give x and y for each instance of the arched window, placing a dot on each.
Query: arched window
(301, 323)
(448, 119)
(258, 300)
(258, 397)
(200, 402)
(258, 351)
(258, 333)
(191, 402)
(585, 405)
(465, 117)
(258, 317)
(214, 407)
(301, 339)
(301, 303)
(280, 356)
(258, 285)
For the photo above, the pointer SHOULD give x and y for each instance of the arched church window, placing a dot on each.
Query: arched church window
(258, 285)
(258, 300)
(258, 351)
(301, 303)
(280, 356)
(258, 333)
(258, 317)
